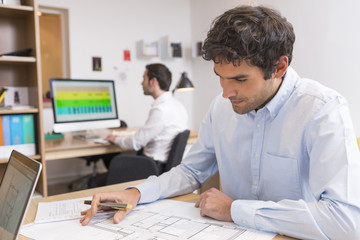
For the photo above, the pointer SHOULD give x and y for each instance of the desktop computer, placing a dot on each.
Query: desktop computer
(80, 105)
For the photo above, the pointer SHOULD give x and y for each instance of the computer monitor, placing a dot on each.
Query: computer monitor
(80, 104)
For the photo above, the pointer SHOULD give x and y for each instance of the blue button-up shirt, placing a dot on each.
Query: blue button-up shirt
(292, 167)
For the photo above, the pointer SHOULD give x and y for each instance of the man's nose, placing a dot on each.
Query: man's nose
(228, 88)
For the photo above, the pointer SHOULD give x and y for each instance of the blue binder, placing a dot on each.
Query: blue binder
(16, 131)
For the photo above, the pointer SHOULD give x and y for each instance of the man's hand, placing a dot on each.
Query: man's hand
(129, 196)
(111, 138)
(214, 203)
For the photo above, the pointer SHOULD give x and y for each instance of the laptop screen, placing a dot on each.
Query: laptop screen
(16, 189)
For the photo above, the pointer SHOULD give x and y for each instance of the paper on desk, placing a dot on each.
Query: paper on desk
(60, 210)
(165, 220)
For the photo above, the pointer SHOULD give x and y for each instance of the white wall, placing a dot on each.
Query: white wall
(106, 28)
(327, 47)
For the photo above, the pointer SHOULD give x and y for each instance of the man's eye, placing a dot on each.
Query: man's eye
(240, 79)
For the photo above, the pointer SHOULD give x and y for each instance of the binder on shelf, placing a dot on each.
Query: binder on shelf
(6, 149)
(6, 130)
(1, 133)
(16, 132)
(28, 128)
(19, 134)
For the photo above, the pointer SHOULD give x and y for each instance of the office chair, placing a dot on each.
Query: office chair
(90, 181)
(124, 168)
(128, 168)
(177, 150)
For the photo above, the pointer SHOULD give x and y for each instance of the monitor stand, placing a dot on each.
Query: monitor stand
(84, 134)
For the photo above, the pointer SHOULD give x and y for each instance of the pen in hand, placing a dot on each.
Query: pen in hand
(119, 206)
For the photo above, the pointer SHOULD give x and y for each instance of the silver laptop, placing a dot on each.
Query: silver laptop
(17, 186)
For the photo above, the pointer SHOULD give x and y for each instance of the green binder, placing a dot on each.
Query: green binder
(28, 128)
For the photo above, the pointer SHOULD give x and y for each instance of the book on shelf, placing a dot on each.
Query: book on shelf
(18, 132)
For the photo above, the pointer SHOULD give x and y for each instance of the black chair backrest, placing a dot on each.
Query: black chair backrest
(125, 168)
(177, 150)
(123, 124)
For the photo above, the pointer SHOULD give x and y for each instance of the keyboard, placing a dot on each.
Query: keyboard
(101, 141)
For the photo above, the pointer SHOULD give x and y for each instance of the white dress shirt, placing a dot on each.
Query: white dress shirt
(166, 119)
(292, 167)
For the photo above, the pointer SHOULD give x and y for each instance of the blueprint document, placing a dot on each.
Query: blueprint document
(60, 210)
(161, 220)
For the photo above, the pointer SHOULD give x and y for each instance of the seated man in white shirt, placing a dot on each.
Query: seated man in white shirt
(284, 146)
(167, 118)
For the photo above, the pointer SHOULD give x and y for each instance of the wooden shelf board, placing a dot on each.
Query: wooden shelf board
(3, 161)
(17, 8)
(17, 59)
(23, 111)
(15, 11)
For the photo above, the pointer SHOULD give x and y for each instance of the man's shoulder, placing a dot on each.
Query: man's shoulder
(170, 107)
(310, 89)
(170, 101)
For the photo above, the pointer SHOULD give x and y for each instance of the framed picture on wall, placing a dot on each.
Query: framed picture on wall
(96, 63)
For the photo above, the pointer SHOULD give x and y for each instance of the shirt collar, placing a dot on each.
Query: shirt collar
(162, 98)
(284, 92)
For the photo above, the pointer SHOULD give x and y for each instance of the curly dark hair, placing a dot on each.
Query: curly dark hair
(161, 73)
(255, 34)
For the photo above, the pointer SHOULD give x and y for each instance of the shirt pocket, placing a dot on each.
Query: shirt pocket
(279, 178)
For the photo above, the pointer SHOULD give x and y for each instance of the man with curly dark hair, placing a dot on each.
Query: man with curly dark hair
(258, 36)
(284, 146)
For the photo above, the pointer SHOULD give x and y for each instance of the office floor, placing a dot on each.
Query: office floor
(60, 174)
(77, 184)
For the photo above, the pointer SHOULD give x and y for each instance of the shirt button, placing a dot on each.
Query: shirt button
(258, 125)
(244, 222)
(255, 183)
(256, 155)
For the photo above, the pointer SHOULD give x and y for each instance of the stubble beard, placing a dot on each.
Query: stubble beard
(245, 108)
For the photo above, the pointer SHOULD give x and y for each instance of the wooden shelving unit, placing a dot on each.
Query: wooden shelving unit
(19, 28)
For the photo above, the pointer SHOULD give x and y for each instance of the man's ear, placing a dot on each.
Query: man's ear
(153, 82)
(281, 67)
